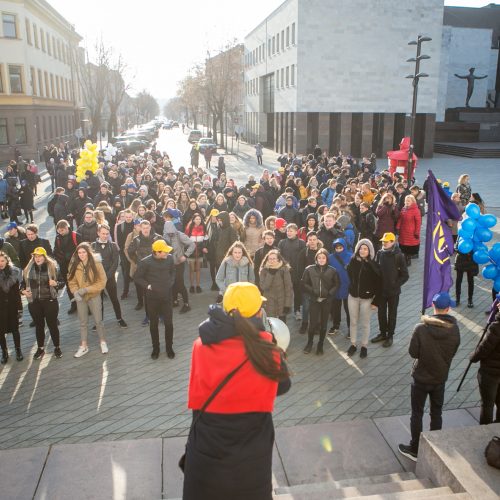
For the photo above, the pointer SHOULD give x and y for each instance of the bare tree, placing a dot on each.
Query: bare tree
(146, 107)
(115, 92)
(174, 109)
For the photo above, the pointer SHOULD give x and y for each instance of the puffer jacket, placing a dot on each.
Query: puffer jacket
(408, 225)
(141, 247)
(87, 231)
(38, 282)
(159, 273)
(487, 351)
(276, 286)
(232, 272)
(394, 270)
(94, 288)
(364, 275)
(339, 261)
(182, 245)
(226, 236)
(465, 263)
(320, 282)
(8, 249)
(433, 345)
(290, 250)
(387, 219)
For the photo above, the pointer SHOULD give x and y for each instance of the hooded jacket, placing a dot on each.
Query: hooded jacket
(276, 286)
(61, 210)
(339, 261)
(364, 275)
(290, 249)
(181, 244)
(394, 270)
(226, 236)
(231, 271)
(433, 345)
(320, 282)
(252, 235)
(7, 248)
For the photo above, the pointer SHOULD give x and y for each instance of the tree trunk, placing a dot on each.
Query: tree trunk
(214, 128)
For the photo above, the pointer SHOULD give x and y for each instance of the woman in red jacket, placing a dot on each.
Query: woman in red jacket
(229, 448)
(387, 216)
(408, 225)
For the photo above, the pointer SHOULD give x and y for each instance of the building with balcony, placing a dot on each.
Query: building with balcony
(40, 98)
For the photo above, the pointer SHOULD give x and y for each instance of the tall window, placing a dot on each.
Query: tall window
(9, 25)
(288, 76)
(20, 130)
(2, 90)
(28, 31)
(47, 87)
(4, 137)
(52, 87)
(49, 50)
(293, 33)
(277, 42)
(40, 83)
(35, 35)
(282, 40)
(282, 78)
(292, 75)
(42, 39)
(269, 48)
(288, 36)
(16, 79)
(33, 79)
(278, 79)
(274, 45)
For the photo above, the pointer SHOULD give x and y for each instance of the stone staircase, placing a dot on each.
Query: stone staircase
(398, 486)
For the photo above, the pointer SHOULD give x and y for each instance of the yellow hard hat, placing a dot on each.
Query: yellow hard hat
(214, 212)
(388, 237)
(40, 251)
(161, 246)
(243, 296)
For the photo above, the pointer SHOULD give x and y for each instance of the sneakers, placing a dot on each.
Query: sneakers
(39, 354)
(124, 295)
(81, 352)
(72, 309)
(19, 354)
(352, 349)
(5, 358)
(175, 303)
(138, 306)
(185, 308)
(170, 353)
(122, 324)
(145, 321)
(333, 331)
(198, 289)
(364, 352)
(155, 353)
(379, 338)
(57, 352)
(298, 316)
(94, 328)
(407, 451)
(387, 342)
(308, 348)
(214, 287)
(303, 328)
(104, 348)
(191, 289)
(470, 304)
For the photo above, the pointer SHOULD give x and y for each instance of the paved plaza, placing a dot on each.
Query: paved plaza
(126, 395)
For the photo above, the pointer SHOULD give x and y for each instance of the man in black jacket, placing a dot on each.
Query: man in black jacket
(433, 345)
(155, 274)
(123, 229)
(110, 257)
(268, 237)
(329, 231)
(31, 242)
(394, 275)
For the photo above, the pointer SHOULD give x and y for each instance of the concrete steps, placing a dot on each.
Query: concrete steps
(467, 151)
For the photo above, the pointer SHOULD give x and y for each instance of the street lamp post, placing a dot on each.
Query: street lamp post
(415, 79)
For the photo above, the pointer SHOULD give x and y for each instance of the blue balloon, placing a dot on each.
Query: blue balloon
(480, 257)
(480, 247)
(463, 233)
(496, 284)
(472, 210)
(490, 272)
(487, 220)
(469, 225)
(483, 234)
(495, 252)
(465, 246)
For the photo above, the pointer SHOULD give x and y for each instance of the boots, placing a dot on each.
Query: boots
(319, 349)
(470, 304)
(303, 328)
(458, 299)
(19, 354)
(381, 337)
(5, 357)
(308, 347)
(408, 260)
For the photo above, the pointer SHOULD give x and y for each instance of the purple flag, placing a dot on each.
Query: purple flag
(438, 241)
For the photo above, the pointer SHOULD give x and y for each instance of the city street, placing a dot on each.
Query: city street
(126, 395)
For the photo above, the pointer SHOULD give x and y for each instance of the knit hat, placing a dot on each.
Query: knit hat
(280, 223)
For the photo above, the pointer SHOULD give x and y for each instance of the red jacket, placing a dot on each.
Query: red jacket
(408, 225)
(247, 391)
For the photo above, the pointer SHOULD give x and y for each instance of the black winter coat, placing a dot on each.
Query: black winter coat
(488, 350)
(320, 281)
(290, 250)
(64, 248)
(465, 263)
(433, 344)
(328, 236)
(87, 232)
(110, 256)
(159, 273)
(394, 271)
(26, 249)
(364, 277)
(10, 299)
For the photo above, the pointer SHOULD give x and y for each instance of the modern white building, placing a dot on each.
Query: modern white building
(39, 93)
(332, 72)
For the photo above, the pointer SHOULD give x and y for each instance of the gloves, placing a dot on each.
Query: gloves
(219, 298)
(286, 310)
(81, 292)
(77, 296)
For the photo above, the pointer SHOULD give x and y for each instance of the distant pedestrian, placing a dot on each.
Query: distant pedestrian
(464, 189)
(408, 225)
(433, 345)
(258, 152)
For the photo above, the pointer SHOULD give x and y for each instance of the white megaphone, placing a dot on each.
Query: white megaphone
(280, 331)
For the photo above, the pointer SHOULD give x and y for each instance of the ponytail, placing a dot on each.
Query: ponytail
(260, 352)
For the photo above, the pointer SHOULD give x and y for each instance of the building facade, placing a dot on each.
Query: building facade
(332, 73)
(40, 97)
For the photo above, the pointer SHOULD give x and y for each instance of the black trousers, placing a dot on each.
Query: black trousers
(387, 312)
(336, 310)
(15, 336)
(470, 284)
(140, 294)
(45, 311)
(318, 319)
(113, 296)
(419, 393)
(179, 286)
(155, 308)
(489, 388)
(297, 296)
(125, 265)
(259, 159)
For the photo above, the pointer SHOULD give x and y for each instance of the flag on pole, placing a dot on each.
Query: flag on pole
(438, 241)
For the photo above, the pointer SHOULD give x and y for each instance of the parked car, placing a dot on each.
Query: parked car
(207, 143)
(131, 146)
(194, 136)
(175, 124)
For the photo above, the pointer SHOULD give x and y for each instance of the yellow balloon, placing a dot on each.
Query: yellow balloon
(88, 143)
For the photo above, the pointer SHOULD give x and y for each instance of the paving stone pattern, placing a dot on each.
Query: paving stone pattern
(126, 395)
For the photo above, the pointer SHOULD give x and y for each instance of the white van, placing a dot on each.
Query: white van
(194, 136)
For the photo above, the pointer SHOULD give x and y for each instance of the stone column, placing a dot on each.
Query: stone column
(300, 136)
(367, 135)
(345, 132)
(388, 140)
(324, 131)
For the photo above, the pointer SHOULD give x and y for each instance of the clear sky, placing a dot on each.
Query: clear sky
(162, 39)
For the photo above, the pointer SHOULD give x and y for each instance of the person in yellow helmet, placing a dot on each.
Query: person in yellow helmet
(237, 370)
(156, 275)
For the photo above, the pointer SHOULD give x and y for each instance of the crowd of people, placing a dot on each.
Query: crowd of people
(318, 236)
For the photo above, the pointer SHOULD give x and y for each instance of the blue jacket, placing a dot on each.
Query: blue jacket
(350, 237)
(3, 190)
(339, 262)
(327, 194)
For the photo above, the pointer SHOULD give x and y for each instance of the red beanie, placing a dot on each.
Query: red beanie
(279, 223)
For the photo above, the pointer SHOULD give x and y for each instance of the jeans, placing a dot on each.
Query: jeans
(259, 159)
(113, 296)
(179, 286)
(387, 312)
(419, 393)
(360, 311)
(155, 308)
(336, 311)
(297, 296)
(470, 284)
(95, 306)
(45, 311)
(489, 388)
(319, 312)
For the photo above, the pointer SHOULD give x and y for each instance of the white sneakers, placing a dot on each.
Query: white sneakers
(84, 350)
(298, 316)
(81, 351)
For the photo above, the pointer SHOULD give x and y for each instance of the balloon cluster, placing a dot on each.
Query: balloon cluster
(87, 161)
(473, 233)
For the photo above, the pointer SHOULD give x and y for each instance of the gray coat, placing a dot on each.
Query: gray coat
(231, 272)
(276, 286)
(180, 242)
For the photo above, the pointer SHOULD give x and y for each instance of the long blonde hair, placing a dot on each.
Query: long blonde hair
(51, 268)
